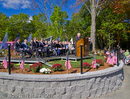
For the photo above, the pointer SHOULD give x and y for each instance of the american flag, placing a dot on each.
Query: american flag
(94, 62)
(4, 44)
(112, 59)
(22, 64)
(67, 63)
(109, 58)
(5, 63)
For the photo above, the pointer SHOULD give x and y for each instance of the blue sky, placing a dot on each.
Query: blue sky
(10, 7)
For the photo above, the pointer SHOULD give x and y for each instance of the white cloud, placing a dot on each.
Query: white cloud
(16, 4)
(30, 18)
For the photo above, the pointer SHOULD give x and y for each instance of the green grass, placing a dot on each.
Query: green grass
(75, 63)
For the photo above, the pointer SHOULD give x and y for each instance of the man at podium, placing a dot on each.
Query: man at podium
(76, 39)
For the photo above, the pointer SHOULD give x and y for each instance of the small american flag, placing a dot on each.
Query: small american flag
(22, 64)
(109, 58)
(94, 62)
(67, 63)
(5, 63)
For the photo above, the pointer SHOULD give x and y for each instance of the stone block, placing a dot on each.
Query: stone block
(65, 84)
(55, 84)
(4, 87)
(95, 86)
(85, 94)
(70, 89)
(18, 90)
(61, 91)
(1, 81)
(92, 93)
(80, 88)
(98, 80)
(105, 90)
(39, 91)
(76, 95)
(88, 87)
(57, 96)
(99, 92)
(44, 84)
(67, 96)
(50, 91)
(28, 91)
(11, 88)
(91, 81)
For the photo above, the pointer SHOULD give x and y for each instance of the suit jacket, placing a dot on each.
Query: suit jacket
(35, 45)
(41, 44)
(25, 46)
(17, 46)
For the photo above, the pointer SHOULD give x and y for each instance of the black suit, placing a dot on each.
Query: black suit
(35, 46)
(18, 48)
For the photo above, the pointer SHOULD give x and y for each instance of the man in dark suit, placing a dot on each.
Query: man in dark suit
(18, 47)
(78, 37)
(35, 46)
(26, 48)
(41, 48)
(57, 48)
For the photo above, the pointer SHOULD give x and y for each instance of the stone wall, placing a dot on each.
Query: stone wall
(67, 86)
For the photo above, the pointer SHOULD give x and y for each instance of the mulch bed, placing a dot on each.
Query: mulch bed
(70, 71)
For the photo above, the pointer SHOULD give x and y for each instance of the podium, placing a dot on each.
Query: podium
(84, 43)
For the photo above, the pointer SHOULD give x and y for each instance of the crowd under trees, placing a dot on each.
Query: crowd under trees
(106, 22)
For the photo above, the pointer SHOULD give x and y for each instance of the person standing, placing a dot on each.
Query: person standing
(78, 37)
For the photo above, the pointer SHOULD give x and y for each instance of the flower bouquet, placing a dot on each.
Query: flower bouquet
(99, 62)
(86, 65)
(57, 67)
(45, 71)
(36, 67)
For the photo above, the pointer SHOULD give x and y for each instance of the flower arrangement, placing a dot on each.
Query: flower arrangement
(45, 71)
(86, 65)
(99, 61)
(57, 67)
(36, 67)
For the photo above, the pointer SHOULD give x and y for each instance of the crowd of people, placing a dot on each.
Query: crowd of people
(123, 55)
(43, 47)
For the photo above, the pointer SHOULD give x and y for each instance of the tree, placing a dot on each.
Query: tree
(39, 22)
(111, 26)
(58, 20)
(94, 7)
(46, 6)
(80, 22)
(17, 24)
(3, 25)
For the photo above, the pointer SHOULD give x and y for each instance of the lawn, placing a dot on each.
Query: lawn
(76, 63)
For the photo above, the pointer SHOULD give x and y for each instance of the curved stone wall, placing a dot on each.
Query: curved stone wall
(67, 86)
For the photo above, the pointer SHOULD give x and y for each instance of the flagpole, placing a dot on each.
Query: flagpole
(9, 59)
(81, 60)
(67, 63)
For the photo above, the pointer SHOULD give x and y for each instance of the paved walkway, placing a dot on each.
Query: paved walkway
(124, 91)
